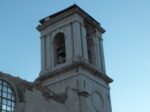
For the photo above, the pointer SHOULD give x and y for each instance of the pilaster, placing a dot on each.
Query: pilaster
(95, 53)
(84, 42)
(98, 54)
(102, 55)
(77, 39)
(69, 44)
(43, 53)
(48, 46)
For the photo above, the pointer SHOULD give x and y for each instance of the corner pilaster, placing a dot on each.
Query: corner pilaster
(77, 39)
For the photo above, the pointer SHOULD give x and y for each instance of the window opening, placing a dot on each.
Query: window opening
(7, 97)
(59, 49)
(90, 45)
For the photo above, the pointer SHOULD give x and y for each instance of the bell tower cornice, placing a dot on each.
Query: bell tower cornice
(78, 66)
(74, 9)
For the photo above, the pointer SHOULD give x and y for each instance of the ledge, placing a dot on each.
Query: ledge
(75, 65)
(74, 9)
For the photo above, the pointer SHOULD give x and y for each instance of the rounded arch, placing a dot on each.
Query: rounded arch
(59, 48)
(8, 96)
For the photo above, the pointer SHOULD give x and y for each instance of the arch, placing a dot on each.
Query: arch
(7, 96)
(90, 46)
(59, 49)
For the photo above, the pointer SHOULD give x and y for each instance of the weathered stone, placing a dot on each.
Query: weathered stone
(72, 76)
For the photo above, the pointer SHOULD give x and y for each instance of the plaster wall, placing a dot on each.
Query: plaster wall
(83, 90)
(35, 102)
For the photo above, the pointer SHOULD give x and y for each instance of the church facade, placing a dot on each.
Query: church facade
(72, 77)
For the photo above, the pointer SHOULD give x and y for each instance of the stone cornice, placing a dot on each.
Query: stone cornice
(45, 22)
(80, 64)
(53, 20)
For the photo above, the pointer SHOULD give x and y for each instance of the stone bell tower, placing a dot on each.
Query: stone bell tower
(72, 61)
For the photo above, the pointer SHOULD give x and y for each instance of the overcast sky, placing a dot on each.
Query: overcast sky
(126, 44)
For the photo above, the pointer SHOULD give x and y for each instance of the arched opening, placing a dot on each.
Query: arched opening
(7, 97)
(90, 45)
(59, 49)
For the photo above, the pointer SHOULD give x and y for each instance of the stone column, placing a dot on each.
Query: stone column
(102, 55)
(98, 53)
(77, 39)
(43, 53)
(84, 42)
(95, 53)
(68, 42)
(52, 48)
(48, 47)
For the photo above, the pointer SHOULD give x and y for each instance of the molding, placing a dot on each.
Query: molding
(60, 21)
(75, 65)
(65, 13)
(94, 79)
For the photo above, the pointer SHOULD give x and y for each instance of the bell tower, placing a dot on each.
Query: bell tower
(72, 61)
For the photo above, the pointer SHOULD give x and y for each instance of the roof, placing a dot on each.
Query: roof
(78, 10)
(11, 77)
(62, 11)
